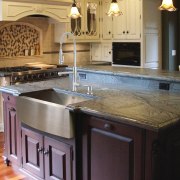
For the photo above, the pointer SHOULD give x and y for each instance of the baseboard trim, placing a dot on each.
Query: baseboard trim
(1, 127)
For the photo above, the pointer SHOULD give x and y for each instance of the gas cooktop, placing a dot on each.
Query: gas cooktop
(18, 69)
(24, 74)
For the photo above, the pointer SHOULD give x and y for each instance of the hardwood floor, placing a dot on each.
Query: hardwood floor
(7, 172)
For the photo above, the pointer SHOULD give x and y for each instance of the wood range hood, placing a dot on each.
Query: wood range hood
(12, 10)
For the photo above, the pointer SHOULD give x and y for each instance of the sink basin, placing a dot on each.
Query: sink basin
(46, 110)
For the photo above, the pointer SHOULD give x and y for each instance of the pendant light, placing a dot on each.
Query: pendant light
(114, 9)
(74, 13)
(167, 5)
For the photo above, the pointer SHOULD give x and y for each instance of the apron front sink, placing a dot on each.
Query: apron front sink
(46, 110)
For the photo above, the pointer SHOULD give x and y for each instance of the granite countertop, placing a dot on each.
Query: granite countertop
(153, 110)
(173, 76)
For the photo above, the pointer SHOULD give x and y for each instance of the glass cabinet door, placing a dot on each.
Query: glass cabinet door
(87, 26)
(92, 19)
(77, 24)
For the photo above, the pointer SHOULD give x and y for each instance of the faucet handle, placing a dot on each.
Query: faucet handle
(90, 91)
(61, 56)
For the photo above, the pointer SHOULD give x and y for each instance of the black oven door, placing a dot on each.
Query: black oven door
(126, 54)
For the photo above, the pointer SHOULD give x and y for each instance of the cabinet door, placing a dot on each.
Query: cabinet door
(32, 151)
(107, 52)
(119, 22)
(77, 26)
(133, 19)
(96, 52)
(107, 21)
(58, 161)
(86, 27)
(111, 151)
(92, 9)
(12, 130)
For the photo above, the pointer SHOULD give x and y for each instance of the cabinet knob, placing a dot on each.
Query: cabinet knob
(109, 32)
(127, 32)
(46, 152)
(123, 32)
(40, 150)
(108, 126)
(109, 52)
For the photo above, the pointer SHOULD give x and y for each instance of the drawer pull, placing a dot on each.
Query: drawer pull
(108, 126)
(40, 150)
(46, 152)
(12, 109)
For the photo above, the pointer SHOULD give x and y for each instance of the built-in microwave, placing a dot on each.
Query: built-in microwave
(126, 53)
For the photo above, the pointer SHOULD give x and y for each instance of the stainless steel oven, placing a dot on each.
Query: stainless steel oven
(126, 53)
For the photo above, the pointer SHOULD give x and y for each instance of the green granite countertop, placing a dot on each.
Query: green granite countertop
(153, 110)
(173, 76)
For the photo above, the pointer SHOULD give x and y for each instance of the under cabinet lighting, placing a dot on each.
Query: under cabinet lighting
(74, 13)
(114, 9)
(167, 5)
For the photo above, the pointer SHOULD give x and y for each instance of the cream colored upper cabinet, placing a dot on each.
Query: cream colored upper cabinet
(133, 25)
(101, 52)
(86, 27)
(126, 26)
(12, 11)
(107, 29)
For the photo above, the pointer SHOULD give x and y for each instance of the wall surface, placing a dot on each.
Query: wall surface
(170, 41)
(49, 49)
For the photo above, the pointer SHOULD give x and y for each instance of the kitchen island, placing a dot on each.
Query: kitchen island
(125, 132)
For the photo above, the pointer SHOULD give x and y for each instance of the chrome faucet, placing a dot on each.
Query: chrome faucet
(75, 84)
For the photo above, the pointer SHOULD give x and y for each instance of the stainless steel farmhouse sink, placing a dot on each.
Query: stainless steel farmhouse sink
(46, 110)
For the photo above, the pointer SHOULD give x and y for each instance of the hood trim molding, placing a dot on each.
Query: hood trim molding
(13, 11)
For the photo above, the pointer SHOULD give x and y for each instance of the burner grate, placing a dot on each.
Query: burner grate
(18, 69)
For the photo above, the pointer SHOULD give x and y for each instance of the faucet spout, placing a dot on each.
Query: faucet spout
(75, 84)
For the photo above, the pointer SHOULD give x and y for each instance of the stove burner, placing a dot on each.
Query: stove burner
(24, 74)
(18, 69)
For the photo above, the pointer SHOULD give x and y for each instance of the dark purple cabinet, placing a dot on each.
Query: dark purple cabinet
(12, 130)
(45, 157)
(111, 150)
(32, 152)
(58, 162)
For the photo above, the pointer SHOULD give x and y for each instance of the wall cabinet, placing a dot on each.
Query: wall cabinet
(126, 26)
(101, 52)
(45, 157)
(12, 130)
(87, 27)
(12, 11)
(111, 150)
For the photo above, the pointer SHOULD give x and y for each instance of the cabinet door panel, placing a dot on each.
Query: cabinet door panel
(12, 130)
(58, 163)
(133, 19)
(119, 23)
(32, 149)
(111, 151)
(107, 21)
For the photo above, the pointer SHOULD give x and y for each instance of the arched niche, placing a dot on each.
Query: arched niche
(20, 39)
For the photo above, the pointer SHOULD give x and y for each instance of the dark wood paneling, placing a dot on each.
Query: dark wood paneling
(108, 151)
(58, 162)
(111, 151)
(32, 150)
(12, 130)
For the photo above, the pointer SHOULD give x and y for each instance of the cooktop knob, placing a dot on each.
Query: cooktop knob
(39, 76)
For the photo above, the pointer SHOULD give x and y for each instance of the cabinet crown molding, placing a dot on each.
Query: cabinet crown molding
(11, 10)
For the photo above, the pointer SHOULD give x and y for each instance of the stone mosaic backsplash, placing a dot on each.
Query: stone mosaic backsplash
(19, 39)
